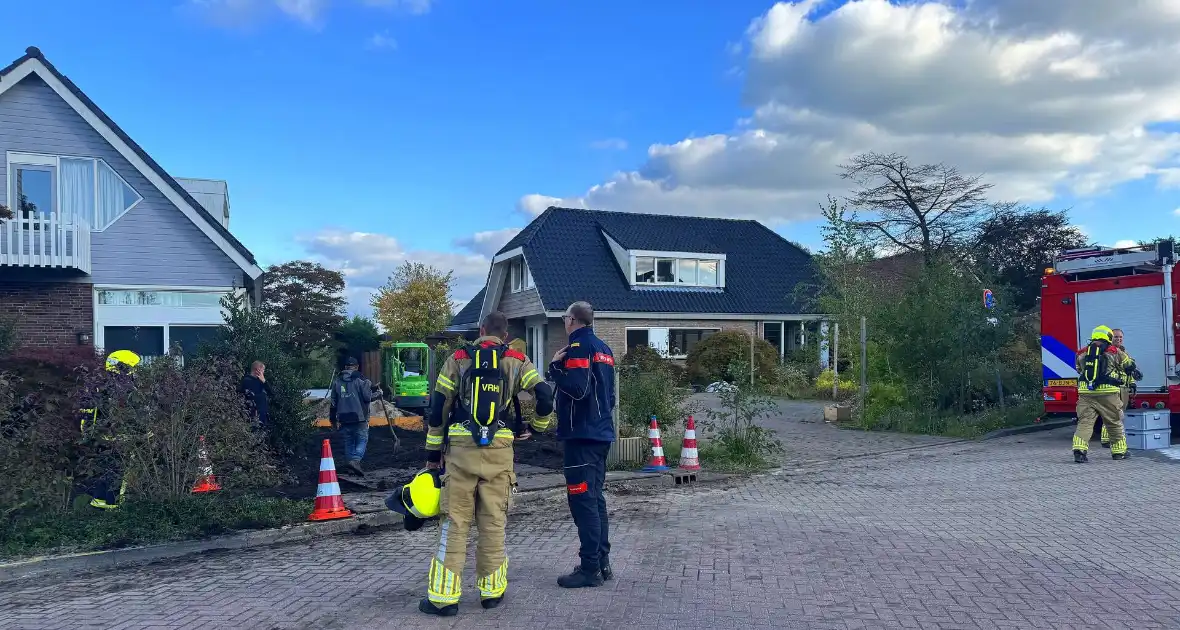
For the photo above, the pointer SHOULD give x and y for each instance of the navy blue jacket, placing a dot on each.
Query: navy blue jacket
(585, 381)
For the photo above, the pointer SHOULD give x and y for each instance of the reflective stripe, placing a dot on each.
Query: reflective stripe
(444, 383)
(1119, 447)
(495, 583)
(443, 586)
(571, 364)
(602, 357)
(541, 424)
(458, 430)
(434, 440)
(1080, 445)
(528, 379)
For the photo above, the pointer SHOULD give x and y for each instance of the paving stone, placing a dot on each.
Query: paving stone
(1000, 534)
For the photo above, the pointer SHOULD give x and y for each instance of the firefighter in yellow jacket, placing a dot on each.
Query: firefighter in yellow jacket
(1130, 375)
(1101, 374)
(469, 419)
(102, 488)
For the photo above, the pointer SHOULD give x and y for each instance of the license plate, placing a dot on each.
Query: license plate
(1061, 382)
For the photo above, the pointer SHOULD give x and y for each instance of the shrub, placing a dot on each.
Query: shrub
(248, 336)
(714, 358)
(825, 381)
(737, 441)
(790, 381)
(150, 425)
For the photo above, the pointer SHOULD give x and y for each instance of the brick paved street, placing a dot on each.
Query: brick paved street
(1002, 534)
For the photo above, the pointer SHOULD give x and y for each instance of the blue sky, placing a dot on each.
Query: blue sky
(425, 122)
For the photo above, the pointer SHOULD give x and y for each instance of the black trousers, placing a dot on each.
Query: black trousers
(585, 476)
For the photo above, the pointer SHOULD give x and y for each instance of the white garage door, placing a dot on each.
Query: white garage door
(1140, 313)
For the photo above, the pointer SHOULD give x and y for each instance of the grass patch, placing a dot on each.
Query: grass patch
(902, 420)
(143, 523)
(733, 458)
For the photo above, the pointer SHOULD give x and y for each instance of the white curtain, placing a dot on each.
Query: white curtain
(111, 196)
(77, 190)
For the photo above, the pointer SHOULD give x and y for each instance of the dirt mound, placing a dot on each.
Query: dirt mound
(322, 406)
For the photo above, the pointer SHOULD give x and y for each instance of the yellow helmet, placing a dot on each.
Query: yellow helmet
(518, 345)
(124, 359)
(418, 500)
(1103, 333)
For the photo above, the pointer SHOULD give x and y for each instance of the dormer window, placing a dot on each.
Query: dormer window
(685, 270)
(521, 278)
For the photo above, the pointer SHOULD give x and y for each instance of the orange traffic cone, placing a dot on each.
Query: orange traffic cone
(689, 460)
(657, 463)
(206, 482)
(328, 504)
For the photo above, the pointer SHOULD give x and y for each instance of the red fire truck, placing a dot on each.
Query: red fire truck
(1128, 288)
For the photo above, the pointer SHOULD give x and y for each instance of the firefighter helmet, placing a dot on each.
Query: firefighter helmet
(122, 359)
(1103, 333)
(419, 499)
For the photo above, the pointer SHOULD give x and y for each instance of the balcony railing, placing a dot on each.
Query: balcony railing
(45, 241)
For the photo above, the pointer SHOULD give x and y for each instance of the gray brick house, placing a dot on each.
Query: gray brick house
(105, 248)
(657, 280)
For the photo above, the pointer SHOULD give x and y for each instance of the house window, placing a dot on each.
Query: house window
(191, 338)
(636, 338)
(146, 341)
(193, 299)
(691, 272)
(674, 343)
(77, 188)
(522, 278)
(681, 341)
(645, 270)
(33, 188)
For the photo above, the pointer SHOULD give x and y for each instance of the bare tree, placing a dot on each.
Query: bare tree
(923, 209)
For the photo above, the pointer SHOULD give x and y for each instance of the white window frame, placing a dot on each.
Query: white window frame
(519, 276)
(676, 257)
(54, 160)
(668, 354)
(164, 316)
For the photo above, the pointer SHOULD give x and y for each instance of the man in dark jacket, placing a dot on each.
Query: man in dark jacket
(584, 374)
(258, 392)
(350, 398)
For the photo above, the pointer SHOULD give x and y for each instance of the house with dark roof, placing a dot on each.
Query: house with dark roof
(656, 280)
(104, 246)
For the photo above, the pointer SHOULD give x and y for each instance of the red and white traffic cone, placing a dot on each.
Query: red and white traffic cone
(657, 463)
(206, 482)
(328, 503)
(689, 460)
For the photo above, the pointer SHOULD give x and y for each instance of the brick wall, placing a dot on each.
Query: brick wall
(48, 314)
(613, 331)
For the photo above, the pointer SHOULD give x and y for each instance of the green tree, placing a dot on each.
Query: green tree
(307, 299)
(1016, 244)
(357, 336)
(415, 302)
(925, 209)
(250, 335)
(5, 213)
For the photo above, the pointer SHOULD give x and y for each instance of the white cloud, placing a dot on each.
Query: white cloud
(1176, 212)
(533, 205)
(609, 144)
(1042, 97)
(367, 259)
(487, 243)
(381, 41)
(1125, 243)
(311, 13)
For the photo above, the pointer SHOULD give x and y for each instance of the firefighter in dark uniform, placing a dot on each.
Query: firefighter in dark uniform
(109, 485)
(584, 372)
(469, 419)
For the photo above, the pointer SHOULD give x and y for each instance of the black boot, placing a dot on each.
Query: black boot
(1079, 457)
(580, 578)
(607, 573)
(430, 608)
(490, 602)
(1120, 455)
(1105, 444)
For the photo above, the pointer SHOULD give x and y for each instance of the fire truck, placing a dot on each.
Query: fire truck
(1129, 288)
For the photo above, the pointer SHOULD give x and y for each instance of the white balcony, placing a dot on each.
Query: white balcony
(45, 241)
